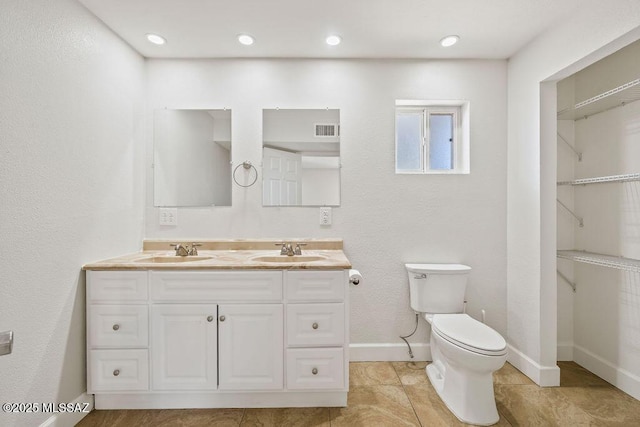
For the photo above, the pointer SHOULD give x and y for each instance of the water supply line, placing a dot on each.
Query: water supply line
(404, 338)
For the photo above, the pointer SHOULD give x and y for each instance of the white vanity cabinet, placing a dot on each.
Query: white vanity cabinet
(316, 330)
(117, 331)
(223, 338)
(184, 342)
(250, 346)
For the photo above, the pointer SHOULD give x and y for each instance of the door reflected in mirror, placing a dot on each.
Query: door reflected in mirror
(301, 157)
(192, 158)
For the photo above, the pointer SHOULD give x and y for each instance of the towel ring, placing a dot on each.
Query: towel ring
(246, 165)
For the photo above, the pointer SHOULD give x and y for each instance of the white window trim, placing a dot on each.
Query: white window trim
(461, 148)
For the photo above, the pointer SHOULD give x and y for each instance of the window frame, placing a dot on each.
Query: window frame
(460, 149)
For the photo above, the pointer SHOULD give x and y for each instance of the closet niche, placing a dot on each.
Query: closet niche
(598, 218)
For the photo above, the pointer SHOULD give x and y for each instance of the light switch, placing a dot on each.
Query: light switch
(168, 216)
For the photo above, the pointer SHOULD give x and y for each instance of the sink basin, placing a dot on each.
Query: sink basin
(289, 259)
(172, 259)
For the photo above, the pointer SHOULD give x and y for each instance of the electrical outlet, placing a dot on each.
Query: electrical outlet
(325, 216)
(168, 216)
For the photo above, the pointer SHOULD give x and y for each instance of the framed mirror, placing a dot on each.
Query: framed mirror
(192, 158)
(301, 157)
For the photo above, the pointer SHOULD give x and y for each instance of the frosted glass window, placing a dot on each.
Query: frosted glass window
(432, 137)
(409, 141)
(441, 141)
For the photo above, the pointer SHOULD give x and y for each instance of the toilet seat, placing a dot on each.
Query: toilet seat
(466, 332)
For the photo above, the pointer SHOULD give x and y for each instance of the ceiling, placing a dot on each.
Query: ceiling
(298, 28)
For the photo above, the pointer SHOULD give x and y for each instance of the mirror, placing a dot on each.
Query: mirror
(192, 158)
(301, 157)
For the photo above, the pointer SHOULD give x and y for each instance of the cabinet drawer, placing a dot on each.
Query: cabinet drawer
(124, 286)
(216, 286)
(315, 285)
(315, 324)
(118, 370)
(315, 368)
(118, 326)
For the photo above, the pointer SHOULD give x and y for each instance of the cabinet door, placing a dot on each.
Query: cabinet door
(251, 346)
(183, 346)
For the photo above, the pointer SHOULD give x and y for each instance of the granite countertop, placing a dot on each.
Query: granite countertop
(229, 255)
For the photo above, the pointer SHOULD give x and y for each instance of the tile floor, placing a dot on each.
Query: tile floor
(393, 394)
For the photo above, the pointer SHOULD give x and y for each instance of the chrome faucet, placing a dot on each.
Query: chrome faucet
(185, 250)
(288, 249)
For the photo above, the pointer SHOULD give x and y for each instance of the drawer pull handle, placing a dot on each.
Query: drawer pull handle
(314, 326)
(210, 319)
(116, 372)
(222, 318)
(116, 327)
(314, 371)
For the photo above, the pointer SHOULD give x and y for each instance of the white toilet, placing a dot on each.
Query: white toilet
(465, 352)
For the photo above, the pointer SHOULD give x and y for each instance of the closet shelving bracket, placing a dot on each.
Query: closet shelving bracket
(580, 220)
(566, 279)
(577, 153)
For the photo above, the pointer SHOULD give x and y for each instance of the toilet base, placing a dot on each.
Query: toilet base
(471, 408)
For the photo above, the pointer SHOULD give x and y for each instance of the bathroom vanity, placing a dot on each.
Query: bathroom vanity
(238, 325)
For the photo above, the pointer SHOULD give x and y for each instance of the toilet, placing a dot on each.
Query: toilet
(465, 352)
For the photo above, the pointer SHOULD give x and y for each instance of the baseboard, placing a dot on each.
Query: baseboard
(65, 419)
(386, 352)
(565, 351)
(544, 376)
(621, 378)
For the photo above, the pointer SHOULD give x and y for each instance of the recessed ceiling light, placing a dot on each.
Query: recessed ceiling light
(156, 39)
(245, 39)
(449, 41)
(333, 40)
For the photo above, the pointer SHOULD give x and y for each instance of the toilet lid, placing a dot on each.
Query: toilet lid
(466, 332)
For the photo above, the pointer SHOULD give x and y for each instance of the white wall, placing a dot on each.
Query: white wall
(385, 219)
(565, 236)
(607, 304)
(596, 30)
(71, 187)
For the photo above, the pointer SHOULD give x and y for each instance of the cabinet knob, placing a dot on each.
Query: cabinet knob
(116, 372)
(314, 326)
(222, 318)
(210, 319)
(116, 327)
(314, 371)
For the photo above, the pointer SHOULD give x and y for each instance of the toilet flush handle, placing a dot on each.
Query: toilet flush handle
(420, 276)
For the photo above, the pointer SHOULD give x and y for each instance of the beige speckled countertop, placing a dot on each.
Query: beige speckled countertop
(229, 255)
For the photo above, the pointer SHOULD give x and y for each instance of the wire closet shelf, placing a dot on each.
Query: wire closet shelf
(616, 97)
(603, 179)
(610, 261)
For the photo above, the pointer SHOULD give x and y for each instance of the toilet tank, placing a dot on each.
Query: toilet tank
(437, 288)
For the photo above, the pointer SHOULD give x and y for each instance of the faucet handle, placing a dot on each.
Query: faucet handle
(283, 248)
(298, 249)
(194, 249)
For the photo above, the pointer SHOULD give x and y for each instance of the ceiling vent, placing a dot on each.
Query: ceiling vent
(326, 130)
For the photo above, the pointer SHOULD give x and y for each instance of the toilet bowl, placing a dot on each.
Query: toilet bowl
(464, 351)
(465, 354)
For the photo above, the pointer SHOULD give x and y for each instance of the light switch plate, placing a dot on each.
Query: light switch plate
(6, 342)
(325, 216)
(168, 216)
